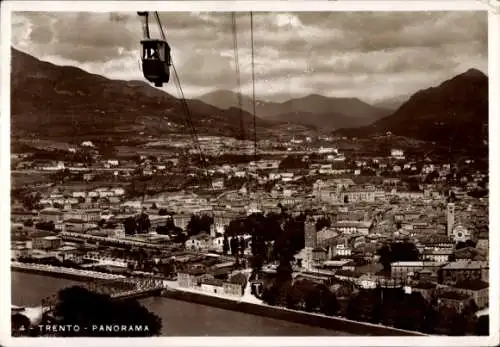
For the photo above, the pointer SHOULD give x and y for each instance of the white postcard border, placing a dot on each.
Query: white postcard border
(182, 6)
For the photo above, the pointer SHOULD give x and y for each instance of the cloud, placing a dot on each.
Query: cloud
(370, 55)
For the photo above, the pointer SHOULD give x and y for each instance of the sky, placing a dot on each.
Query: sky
(369, 55)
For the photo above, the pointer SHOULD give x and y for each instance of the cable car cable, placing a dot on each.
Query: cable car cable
(187, 111)
(253, 91)
(238, 75)
(157, 16)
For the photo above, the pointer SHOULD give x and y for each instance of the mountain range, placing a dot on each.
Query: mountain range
(314, 110)
(454, 113)
(63, 102)
(51, 101)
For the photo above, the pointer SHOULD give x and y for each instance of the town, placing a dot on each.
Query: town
(385, 234)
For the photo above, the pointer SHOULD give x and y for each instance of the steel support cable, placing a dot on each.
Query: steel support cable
(253, 91)
(187, 111)
(238, 75)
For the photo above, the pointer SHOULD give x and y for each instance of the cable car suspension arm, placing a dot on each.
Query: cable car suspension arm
(145, 24)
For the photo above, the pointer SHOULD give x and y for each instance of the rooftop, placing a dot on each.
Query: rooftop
(336, 262)
(417, 264)
(238, 279)
(464, 265)
(453, 295)
(472, 285)
(212, 282)
(424, 285)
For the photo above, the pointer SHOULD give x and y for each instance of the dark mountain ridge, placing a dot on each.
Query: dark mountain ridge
(316, 110)
(51, 101)
(454, 113)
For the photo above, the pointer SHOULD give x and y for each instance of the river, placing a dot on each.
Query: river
(179, 318)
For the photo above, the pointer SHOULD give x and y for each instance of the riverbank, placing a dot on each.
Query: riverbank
(255, 307)
(246, 304)
(62, 272)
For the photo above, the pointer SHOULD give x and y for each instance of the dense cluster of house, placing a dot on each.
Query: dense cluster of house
(350, 215)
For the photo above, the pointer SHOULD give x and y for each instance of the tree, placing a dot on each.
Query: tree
(397, 251)
(384, 253)
(364, 306)
(322, 223)
(410, 312)
(30, 201)
(179, 236)
(78, 306)
(478, 193)
(47, 226)
(198, 224)
(130, 226)
(256, 263)
(328, 301)
(234, 244)
(162, 230)
(241, 245)
(225, 245)
(483, 325)
(470, 243)
(143, 224)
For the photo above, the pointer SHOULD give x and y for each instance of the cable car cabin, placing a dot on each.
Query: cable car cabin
(156, 61)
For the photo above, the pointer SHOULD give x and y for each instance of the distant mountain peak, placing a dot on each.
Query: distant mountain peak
(62, 102)
(454, 113)
(472, 72)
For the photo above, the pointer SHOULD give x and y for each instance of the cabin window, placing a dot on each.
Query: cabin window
(161, 50)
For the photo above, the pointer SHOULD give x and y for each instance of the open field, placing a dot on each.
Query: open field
(19, 180)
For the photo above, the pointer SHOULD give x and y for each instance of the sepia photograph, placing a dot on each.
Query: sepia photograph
(236, 170)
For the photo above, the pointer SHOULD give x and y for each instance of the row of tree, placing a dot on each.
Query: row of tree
(391, 307)
(302, 295)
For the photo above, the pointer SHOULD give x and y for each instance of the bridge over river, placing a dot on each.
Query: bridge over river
(122, 288)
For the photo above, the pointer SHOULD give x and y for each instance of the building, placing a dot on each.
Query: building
(218, 183)
(353, 227)
(87, 215)
(402, 269)
(310, 236)
(460, 233)
(397, 154)
(452, 299)
(450, 218)
(181, 220)
(191, 277)
(477, 290)
(199, 242)
(426, 289)
(20, 215)
(319, 254)
(460, 271)
(51, 215)
(437, 255)
(341, 249)
(236, 285)
(47, 242)
(212, 286)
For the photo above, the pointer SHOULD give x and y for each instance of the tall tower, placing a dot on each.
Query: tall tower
(310, 235)
(450, 218)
